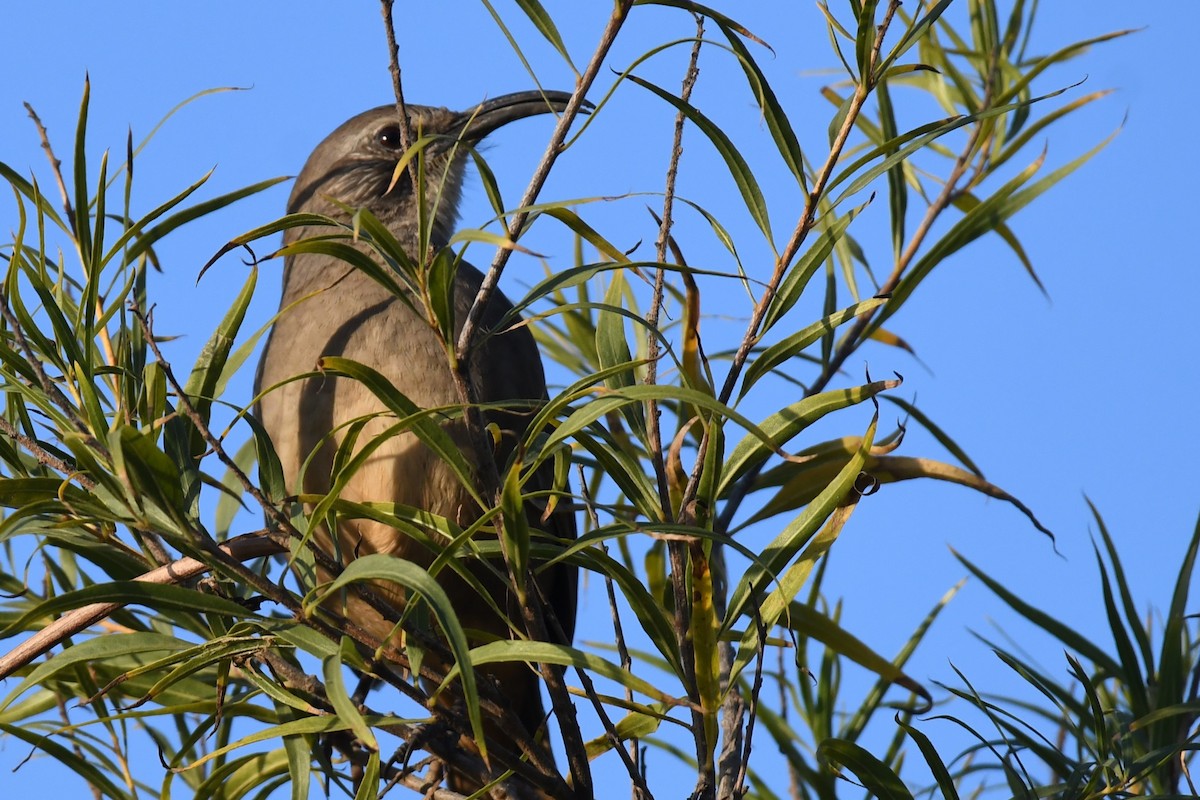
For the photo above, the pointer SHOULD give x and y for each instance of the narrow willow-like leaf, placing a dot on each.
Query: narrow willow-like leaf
(652, 617)
(418, 420)
(1018, 143)
(78, 764)
(240, 776)
(889, 469)
(509, 650)
(778, 122)
(156, 596)
(177, 220)
(135, 230)
(707, 11)
(1047, 622)
(966, 202)
(1173, 661)
(270, 470)
(634, 725)
(589, 234)
(789, 347)
(623, 468)
(911, 142)
(1005, 202)
(781, 599)
(939, 435)
(1131, 674)
(704, 627)
(1132, 614)
(897, 185)
(516, 528)
(796, 280)
(103, 649)
(378, 566)
(1057, 57)
(202, 382)
(743, 176)
(83, 222)
(933, 760)
(353, 257)
(339, 698)
(309, 725)
(21, 186)
(545, 26)
(787, 545)
(914, 34)
(612, 348)
(789, 421)
(877, 778)
(299, 751)
(616, 400)
(368, 785)
(865, 39)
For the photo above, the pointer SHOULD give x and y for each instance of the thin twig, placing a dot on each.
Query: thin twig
(755, 692)
(653, 414)
(406, 135)
(630, 757)
(43, 456)
(55, 167)
(540, 174)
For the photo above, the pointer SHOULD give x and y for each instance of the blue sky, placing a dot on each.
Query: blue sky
(1088, 392)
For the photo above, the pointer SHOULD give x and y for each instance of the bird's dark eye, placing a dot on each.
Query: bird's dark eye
(389, 137)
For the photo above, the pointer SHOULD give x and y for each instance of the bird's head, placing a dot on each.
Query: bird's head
(356, 164)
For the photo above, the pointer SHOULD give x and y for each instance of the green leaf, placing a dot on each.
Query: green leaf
(742, 175)
(101, 649)
(545, 26)
(787, 545)
(792, 345)
(77, 763)
(516, 528)
(915, 33)
(933, 760)
(782, 426)
(156, 596)
(509, 650)
(202, 382)
(799, 274)
(878, 778)
(378, 566)
(980, 220)
(339, 698)
(1049, 623)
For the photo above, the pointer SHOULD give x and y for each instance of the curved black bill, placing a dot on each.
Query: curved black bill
(478, 121)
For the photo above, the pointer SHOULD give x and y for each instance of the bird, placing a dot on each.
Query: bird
(332, 308)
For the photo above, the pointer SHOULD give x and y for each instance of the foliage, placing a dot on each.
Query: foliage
(239, 678)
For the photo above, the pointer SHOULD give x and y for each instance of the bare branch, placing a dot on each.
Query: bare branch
(242, 548)
(406, 134)
(541, 172)
(55, 167)
(653, 414)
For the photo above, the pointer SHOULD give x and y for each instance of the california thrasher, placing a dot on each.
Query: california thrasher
(353, 316)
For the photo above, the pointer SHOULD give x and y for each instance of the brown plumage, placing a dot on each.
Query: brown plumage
(353, 316)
